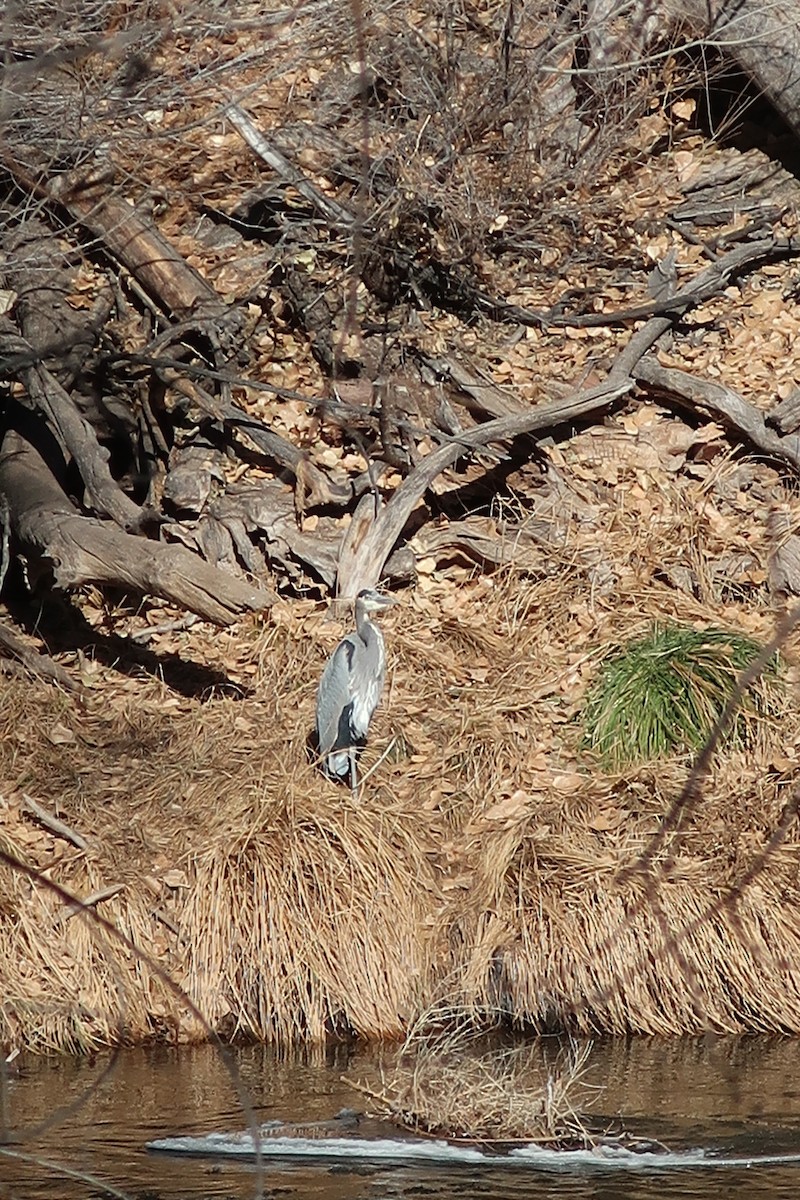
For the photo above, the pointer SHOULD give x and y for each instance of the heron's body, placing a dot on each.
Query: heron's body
(350, 689)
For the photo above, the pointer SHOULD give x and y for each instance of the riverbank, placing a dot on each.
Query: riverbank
(485, 864)
(288, 271)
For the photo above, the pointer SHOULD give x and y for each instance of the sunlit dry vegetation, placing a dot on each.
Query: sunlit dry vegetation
(483, 864)
(365, 242)
(450, 1081)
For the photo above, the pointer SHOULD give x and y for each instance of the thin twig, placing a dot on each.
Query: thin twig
(289, 173)
(144, 635)
(96, 898)
(99, 1186)
(375, 765)
(53, 823)
(5, 535)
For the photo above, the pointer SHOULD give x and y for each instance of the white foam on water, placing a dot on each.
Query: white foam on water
(241, 1145)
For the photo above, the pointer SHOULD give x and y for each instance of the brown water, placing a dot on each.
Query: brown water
(740, 1096)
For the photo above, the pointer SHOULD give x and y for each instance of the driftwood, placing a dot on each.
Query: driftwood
(785, 417)
(45, 394)
(81, 550)
(258, 527)
(46, 522)
(703, 287)
(131, 239)
(479, 540)
(247, 516)
(361, 567)
(53, 823)
(720, 403)
(365, 566)
(193, 470)
(732, 185)
(56, 332)
(707, 284)
(784, 554)
(313, 486)
(350, 574)
(84, 903)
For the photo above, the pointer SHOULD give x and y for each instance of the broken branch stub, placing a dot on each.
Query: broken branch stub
(356, 568)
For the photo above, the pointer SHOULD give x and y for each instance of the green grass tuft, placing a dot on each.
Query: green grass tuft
(664, 692)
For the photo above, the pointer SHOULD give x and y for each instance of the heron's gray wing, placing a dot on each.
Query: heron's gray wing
(334, 698)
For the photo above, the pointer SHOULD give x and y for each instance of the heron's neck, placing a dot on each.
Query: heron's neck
(364, 626)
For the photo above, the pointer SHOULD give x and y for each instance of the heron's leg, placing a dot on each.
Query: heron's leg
(353, 780)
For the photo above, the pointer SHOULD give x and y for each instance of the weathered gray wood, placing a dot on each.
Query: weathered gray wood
(81, 549)
(94, 201)
(267, 510)
(721, 403)
(364, 567)
(192, 472)
(313, 486)
(764, 39)
(707, 283)
(287, 171)
(57, 332)
(785, 417)
(45, 394)
(478, 395)
(34, 663)
(784, 554)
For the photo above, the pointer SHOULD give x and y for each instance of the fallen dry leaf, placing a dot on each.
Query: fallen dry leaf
(512, 807)
(60, 735)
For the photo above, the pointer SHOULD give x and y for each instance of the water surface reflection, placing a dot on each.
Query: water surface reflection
(738, 1095)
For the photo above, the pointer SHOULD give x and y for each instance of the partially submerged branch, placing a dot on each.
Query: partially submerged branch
(451, 1082)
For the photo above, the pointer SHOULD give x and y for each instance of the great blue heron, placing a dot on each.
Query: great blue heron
(350, 689)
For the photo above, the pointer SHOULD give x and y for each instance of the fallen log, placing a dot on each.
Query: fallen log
(80, 549)
(763, 39)
(132, 239)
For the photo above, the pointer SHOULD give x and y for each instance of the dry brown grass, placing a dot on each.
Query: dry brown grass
(488, 863)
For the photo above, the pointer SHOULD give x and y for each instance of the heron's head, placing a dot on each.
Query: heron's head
(371, 600)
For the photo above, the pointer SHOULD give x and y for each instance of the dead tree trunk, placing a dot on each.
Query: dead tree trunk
(763, 39)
